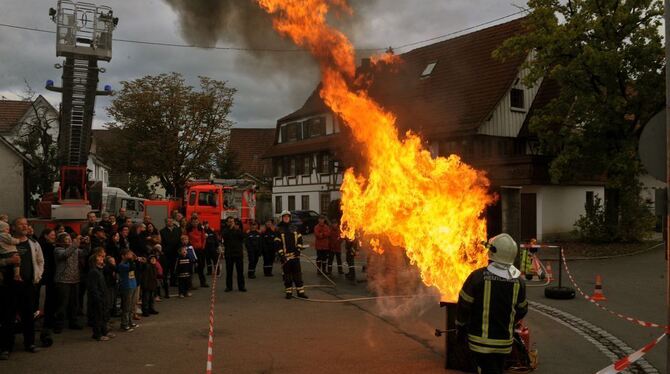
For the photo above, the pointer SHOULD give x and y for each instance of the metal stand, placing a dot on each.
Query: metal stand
(559, 292)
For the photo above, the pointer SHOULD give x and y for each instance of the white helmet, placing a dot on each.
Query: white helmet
(285, 213)
(502, 249)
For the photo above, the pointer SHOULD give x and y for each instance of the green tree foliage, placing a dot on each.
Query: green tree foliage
(607, 57)
(166, 128)
(227, 166)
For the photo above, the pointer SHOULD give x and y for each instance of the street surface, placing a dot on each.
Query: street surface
(261, 332)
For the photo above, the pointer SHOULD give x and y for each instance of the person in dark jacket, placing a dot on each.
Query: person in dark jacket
(97, 296)
(253, 243)
(268, 243)
(184, 271)
(47, 241)
(233, 238)
(149, 286)
(111, 279)
(289, 244)
(113, 246)
(211, 248)
(99, 237)
(170, 236)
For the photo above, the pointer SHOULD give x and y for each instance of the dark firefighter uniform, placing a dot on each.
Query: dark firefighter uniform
(253, 242)
(288, 243)
(488, 307)
(269, 250)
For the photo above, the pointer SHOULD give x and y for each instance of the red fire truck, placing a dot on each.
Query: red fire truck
(213, 200)
(83, 38)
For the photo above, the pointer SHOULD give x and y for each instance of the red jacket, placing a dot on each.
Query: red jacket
(197, 238)
(322, 234)
(335, 242)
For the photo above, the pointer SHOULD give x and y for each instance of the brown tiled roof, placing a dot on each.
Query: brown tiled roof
(314, 105)
(463, 89)
(11, 112)
(458, 96)
(249, 147)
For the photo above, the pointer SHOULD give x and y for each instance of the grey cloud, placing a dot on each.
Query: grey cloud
(266, 90)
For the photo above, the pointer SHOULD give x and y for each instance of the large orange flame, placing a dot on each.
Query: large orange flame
(431, 207)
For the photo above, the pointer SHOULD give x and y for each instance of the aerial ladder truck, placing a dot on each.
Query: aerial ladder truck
(83, 39)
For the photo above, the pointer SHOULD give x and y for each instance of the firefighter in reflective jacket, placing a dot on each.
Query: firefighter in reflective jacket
(491, 301)
(288, 243)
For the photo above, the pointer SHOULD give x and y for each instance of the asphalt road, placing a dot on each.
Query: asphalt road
(261, 332)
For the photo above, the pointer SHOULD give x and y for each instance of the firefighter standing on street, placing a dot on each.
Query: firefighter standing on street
(269, 251)
(288, 244)
(491, 301)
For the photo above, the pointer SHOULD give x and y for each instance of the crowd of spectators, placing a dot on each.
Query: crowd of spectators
(113, 270)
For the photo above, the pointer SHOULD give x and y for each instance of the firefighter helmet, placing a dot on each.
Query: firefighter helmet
(285, 213)
(502, 249)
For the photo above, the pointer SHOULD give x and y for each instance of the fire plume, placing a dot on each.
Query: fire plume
(430, 207)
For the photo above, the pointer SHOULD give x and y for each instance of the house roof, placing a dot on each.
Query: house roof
(11, 112)
(461, 92)
(249, 146)
(16, 150)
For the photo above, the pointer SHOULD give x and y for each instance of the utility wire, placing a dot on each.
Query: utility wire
(278, 50)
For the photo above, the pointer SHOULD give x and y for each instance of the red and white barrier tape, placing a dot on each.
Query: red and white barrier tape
(625, 362)
(588, 298)
(212, 299)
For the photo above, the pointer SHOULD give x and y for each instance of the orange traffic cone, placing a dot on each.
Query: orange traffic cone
(598, 294)
(550, 274)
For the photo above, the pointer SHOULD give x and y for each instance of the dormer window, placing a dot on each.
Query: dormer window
(517, 99)
(429, 69)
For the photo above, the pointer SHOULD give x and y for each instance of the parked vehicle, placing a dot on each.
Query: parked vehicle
(305, 220)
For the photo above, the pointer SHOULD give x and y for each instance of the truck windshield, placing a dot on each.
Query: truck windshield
(209, 198)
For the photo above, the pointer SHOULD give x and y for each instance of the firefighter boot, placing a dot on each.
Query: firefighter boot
(289, 292)
(302, 295)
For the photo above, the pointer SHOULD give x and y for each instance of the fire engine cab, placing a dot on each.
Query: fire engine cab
(213, 200)
(217, 199)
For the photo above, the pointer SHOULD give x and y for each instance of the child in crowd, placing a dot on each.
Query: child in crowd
(8, 248)
(161, 262)
(149, 286)
(127, 285)
(184, 271)
(97, 296)
(109, 271)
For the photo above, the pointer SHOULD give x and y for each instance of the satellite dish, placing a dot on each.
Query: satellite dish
(652, 147)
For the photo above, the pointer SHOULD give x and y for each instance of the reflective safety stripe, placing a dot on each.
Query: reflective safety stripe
(467, 297)
(283, 241)
(296, 236)
(480, 349)
(289, 290)
(523, 304)
(488, 341)
(486, 307)
(515, 296)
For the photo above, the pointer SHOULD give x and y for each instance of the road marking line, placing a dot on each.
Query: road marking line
(611, 346)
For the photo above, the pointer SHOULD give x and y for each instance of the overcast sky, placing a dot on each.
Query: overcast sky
(266, 90)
